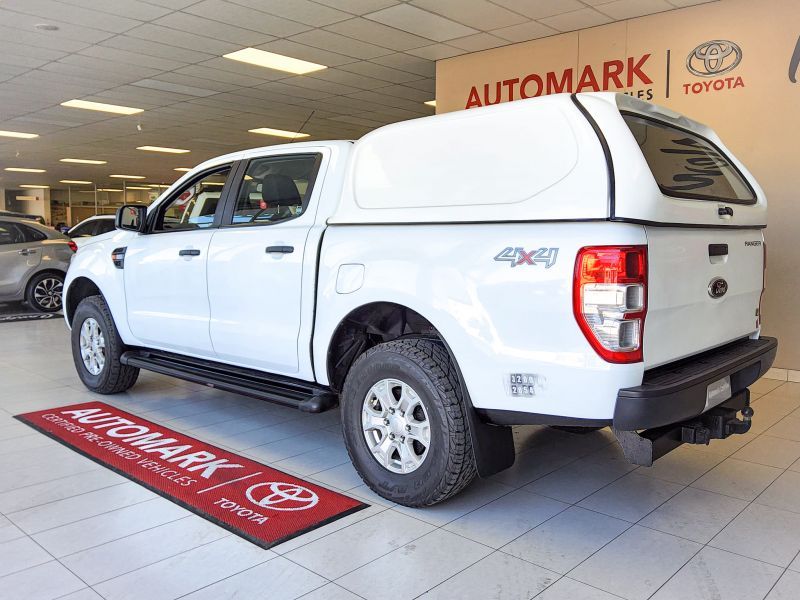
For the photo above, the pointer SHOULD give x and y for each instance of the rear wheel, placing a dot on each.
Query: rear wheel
(97, 348)
(405, 424)
(44, 292)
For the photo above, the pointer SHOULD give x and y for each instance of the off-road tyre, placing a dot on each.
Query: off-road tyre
(114, 376)
(425, 365)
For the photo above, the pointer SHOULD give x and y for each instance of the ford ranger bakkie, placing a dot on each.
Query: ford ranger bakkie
(583, 260)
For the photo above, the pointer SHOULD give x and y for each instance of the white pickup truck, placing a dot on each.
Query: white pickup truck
(580, 260)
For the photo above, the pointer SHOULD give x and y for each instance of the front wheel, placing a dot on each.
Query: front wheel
(97, 348)
(405, 422)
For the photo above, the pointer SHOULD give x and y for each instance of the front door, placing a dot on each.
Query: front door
(255, 264)
(165, 269)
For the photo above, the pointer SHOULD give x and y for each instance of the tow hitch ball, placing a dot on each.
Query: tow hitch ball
(717, 424)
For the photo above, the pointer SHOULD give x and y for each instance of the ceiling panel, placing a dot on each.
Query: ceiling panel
(420, 22)
(166, 57)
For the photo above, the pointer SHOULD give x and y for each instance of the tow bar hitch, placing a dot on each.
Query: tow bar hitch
(642, 448)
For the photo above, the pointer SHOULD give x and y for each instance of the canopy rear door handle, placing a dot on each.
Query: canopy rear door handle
(717, 249)
(189, 252)
(280, 249)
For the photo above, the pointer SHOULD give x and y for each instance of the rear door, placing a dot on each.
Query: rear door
(256, 262)
(703, 215)
(19, 256)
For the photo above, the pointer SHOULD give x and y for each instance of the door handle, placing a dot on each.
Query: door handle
(725, 211)
(280, 249)
(189, 252)
(718, 249)
(27, 251)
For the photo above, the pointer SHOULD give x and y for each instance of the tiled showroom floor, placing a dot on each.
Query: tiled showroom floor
(571, 520)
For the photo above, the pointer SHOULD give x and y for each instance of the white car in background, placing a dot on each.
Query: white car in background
(581, 260)
(91, 227)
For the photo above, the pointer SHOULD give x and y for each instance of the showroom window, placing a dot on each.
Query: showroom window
(687, 165)
(275, 189)
(193, 206)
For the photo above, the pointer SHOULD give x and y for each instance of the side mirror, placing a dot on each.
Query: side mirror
(131, 217)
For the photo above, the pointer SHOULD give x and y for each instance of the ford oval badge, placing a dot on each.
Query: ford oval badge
(718, 287)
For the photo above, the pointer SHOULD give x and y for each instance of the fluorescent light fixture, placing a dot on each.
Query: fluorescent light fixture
(34, 187)
(100, 106)
(162, 149)
(24, 170)
(83, 161)
(270, 60)
(18, 134)
(182, 169)
(278, 133)
(213, 183)
(108, 190)
(75, 181)
(137, 187)
(128, 176)
(431, 103)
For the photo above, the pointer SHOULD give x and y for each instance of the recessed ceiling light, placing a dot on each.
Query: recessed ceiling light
(75, 181)
(108, 190)
(128, 176)
(102, 107)
(34, 187)
(278, 133)
(24, 170)
(270, 60)
(431, 103)
(83, 161)
(162, 149)
(137, 187)
(18, 134)
(182, 169)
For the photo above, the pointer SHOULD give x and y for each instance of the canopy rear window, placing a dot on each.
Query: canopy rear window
(686, 165)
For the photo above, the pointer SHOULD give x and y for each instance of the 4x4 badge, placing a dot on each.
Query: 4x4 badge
(520, 256)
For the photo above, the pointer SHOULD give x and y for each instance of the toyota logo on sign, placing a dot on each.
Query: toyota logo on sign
(276, 495)
(714, 58)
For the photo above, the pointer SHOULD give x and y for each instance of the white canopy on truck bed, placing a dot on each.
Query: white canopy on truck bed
(536, 159)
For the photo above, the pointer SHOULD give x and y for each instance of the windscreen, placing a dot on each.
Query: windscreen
(687, 165)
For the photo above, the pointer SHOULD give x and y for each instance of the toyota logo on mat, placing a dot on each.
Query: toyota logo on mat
(714, 58)
(282, 496)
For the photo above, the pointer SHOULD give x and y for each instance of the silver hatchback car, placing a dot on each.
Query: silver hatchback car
(33, 263)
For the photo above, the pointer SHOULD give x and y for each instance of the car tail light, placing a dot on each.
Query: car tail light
(72, 246)
(609, 299)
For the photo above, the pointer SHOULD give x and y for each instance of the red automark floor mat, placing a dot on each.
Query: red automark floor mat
(259, 503)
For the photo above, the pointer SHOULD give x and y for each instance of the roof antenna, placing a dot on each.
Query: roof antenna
(300, 130)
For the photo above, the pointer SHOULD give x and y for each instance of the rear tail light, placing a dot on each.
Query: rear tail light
(609, 299)
(72, 246)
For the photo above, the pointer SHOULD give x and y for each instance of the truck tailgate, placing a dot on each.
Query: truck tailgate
(704, 287)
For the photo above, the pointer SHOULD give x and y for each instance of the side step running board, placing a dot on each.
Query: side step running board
(303, 395)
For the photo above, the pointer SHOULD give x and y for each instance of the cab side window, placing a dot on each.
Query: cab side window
(84, 229)
(194, 206)
(275, 189)
(31, 234)
(10, 233)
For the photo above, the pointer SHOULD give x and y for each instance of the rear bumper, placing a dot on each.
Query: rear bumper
(678, 391)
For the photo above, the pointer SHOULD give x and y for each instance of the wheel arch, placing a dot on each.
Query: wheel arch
(79, 288)
(377, 322)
